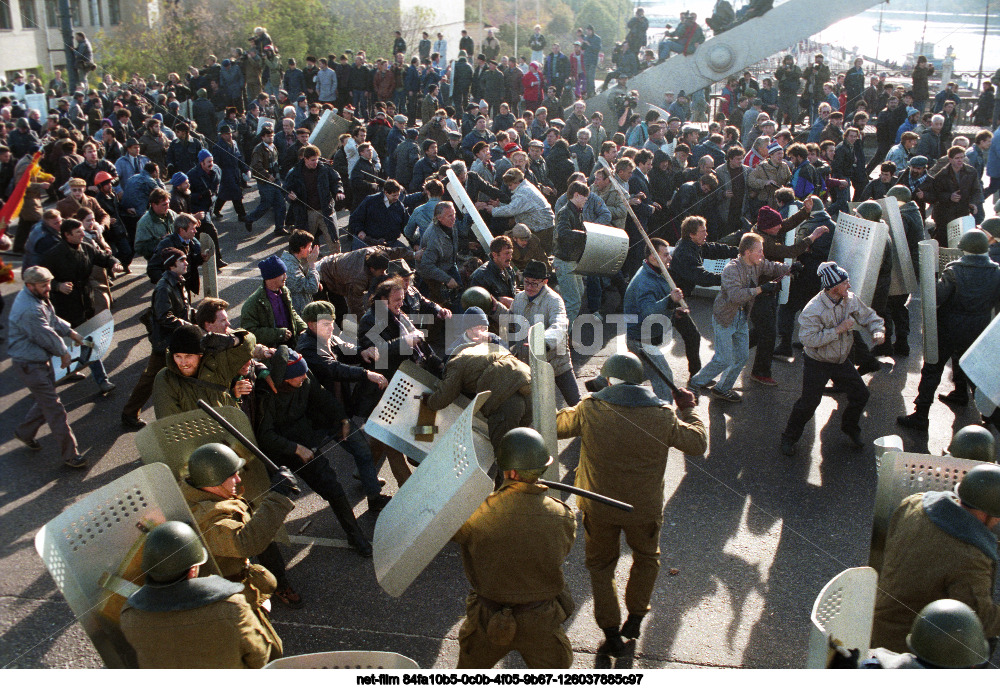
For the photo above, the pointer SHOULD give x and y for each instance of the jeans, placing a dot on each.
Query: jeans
(732, 349)
(654, 367)
(360, 100)
(667, 47)
(271, 199)
(97, 369)
(399, 98)
(591, 75)
(570, 287)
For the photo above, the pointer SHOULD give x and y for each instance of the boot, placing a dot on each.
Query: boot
(613, 644)
(917, 420)
(345, 515)
(956, 398)
(630, 630)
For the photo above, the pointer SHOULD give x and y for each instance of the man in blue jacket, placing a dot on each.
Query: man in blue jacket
(380, 218)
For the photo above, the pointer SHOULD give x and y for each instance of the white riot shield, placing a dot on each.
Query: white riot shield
(904, 276)
(604, 252)
(261, 121)
(328, 130)
(786, 282)
(858, 246)
(958, 227)
(713, 265)
(466, 205)
(209, 272)
(396, 419)
(97, 334)
(93, 550)
(928, 297)
(980, 362)
(434, 503)
(543, 396)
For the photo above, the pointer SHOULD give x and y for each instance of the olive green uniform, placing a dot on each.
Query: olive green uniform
(235, 532)
(513, 548)
(475, 368)
(626, 433)
(198, 623)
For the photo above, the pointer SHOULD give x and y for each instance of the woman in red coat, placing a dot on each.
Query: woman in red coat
(533, 87)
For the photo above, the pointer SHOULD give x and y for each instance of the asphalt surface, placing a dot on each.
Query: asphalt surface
(749, 536)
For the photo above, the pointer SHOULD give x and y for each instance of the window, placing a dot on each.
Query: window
(29, 19)
(76, 12)
(96, 13)
(52, 14)
(5, 21)
(114, 12)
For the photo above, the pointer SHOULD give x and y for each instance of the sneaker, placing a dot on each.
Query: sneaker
(763, 380)
(786, 355)
(915, 421)
(376, 503)
(787, 448)
(78, 462)
(727, 396)
(106, 386)
(133, 423)
(694, 387)
(30, 444)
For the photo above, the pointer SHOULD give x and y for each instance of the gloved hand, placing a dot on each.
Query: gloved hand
(796, 268)
(769, 287)
(284, 482)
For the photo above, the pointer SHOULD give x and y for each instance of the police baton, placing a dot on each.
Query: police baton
(231, 429)
(596, 497)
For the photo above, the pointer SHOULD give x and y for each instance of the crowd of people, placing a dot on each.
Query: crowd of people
(141, 167)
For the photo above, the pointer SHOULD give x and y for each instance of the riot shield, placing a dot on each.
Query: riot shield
(904, 276)
(604, 251)
(97, 334)
(958, 227)
(543, 396)
(928, 297)
(209, 274)
(461, 198)
(397, 420)
(327, 132)
(427, 511)
(980, 363)
(858, 246)
(93, 550)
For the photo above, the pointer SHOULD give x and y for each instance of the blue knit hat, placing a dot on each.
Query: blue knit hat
(475, 316)
(202, 154)
(271, 267)
(296, 365)
(831, 275)
(178, 179)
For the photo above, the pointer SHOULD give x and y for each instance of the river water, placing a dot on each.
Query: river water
(962, 31)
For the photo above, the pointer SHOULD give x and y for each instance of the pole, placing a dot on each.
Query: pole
(482, 29)
(982, 52)
(655, 253)
(516, 31)
(66, 30)
(923, 33)
(878, 43)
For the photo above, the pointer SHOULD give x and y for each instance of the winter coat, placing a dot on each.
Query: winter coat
(549, 309)
(818, 322)
(258, 317)
(934, 549)
(231, 164)
(175, 393)
(328, 185)
(74, 265)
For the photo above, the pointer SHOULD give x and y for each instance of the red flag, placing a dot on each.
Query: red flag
(13, 205)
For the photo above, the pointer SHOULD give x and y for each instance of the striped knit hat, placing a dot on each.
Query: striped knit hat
(831, 275)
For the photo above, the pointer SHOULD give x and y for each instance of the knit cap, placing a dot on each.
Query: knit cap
(271, 267)
(767, 218)
(831, 275)
(296, 365)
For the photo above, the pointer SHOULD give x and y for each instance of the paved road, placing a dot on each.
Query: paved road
(749, 535)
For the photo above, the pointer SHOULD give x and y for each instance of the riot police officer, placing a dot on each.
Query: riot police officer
(234, 530)
(609, 423)
(945, 634)
(513, 548)
(178, 620)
